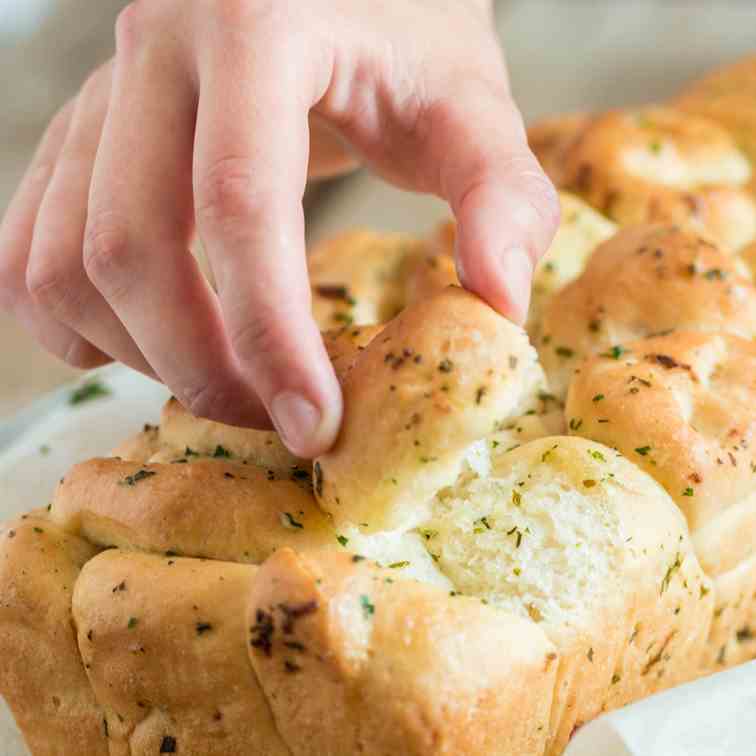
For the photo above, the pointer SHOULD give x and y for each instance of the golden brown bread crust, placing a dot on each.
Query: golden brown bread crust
(683, 408)
(645, 280)
(581, 230)
(728, 96)
(141, 447)
(656, 164)
(182, 434)
(211, 508)
(551, 138)
(164, 644)
(42, 676)
(358, 278)
(441, 375)
(378, 666)
(346, 343)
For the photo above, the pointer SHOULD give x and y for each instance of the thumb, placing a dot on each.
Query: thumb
(506, 208)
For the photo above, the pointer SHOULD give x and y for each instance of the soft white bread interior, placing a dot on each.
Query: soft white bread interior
(163, 640)
(42, 676)
(448, 371)
(572, 535)
(377, 665)
(645, 280)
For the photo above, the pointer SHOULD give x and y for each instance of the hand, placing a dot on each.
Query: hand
(202, 120)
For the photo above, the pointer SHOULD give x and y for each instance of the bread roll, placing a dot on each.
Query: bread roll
(141, 447)
(445, 373)
(183, 435)
(581, 230)
(657, 164)
(42, 676)
(358, 278)
(727, 96)
(645, 280)
(163, 640)
(209, 508)
(551, 138)
(571, 534)
(683, 408)
(375, 665)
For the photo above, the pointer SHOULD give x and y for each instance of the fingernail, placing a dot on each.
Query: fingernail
(297, 420)
(517, 277)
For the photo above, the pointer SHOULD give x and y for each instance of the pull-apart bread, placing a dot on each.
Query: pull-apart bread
(515, 531)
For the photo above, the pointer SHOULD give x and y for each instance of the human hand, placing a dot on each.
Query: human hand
(208, 120)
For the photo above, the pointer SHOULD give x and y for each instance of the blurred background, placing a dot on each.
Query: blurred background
(564, 55)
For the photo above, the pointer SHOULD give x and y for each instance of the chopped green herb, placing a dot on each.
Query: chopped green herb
(597, 455)
(132, 623)
(598, 397)
(221, 451)
(132, 480)
(343, 540)
(565, 352)
(446, 366)
(615, 352)
(575, 423)
(688, 491)
(674, 567)
(399, 565)
(590, 654)
(91, 390)
(643, 450)
(368, 609)
(44, 449)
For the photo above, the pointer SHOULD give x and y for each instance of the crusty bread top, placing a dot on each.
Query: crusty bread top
(683, 408)
(728, 96)
(644, 280)
(182, 435)
(358, 278)
(447, 675)
(163, 640)
(212, 508)
(551, 139)
(443, 374)
(657, 164)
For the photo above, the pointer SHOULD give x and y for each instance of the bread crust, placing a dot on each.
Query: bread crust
(42, 676)
(163, 639)
(439, 377)
(210, 508)
(645, 280)
(445, 674)
(658, 165)
(727, 95)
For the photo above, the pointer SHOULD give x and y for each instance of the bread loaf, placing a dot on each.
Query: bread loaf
(489, 556)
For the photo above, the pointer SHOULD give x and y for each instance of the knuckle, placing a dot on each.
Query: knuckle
(48, 282)
(206, 400)
(259, 335)
(107, 252)
(226, 192)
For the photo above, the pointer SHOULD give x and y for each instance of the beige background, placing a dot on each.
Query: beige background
(563, 55)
